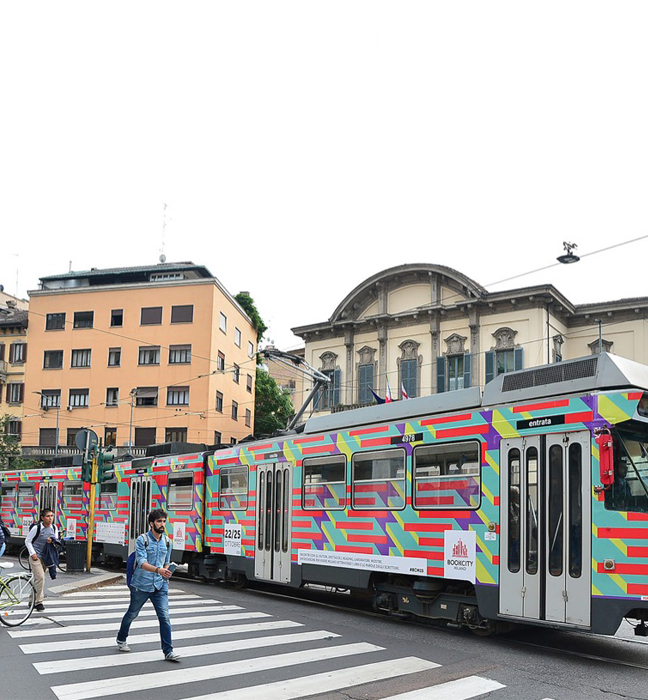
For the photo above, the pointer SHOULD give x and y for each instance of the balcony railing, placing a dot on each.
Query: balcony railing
(3, 369)
(48, 452)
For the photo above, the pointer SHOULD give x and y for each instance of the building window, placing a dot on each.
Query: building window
(222, 323)
(220, 362)
(18, 353)
(175, 435)
(408, 367)
(182, 314)
(217, 437)
(79, 398)
(2, 352)
(81, 358)
(237, 337)
(146, 396)
(110, 436)
(234, 410)
(219, 402)
(180, 355)
(114, 357)
(15, 393)
(117, 317)
(71, 436)
(53, 359)
(144, 437)
(151, 316)
(50, 398)
(47, 437)
(112, 396)
(329, 394)
(149, 355)
(250, 349)
(55, 322)
(365, 383)
(83, 319)
(237, 374)
(504, 357)
(248, 417)
(13, 428)
(454, 370)
(249, 384)
(178, 396)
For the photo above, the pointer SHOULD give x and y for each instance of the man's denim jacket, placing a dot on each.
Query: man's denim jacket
(155, 552)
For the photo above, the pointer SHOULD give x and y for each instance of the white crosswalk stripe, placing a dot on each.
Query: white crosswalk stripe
(203, 625)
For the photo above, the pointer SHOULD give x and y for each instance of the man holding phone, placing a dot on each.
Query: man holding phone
(151, 582)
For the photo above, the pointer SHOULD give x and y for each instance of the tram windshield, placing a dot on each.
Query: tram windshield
(629, 491)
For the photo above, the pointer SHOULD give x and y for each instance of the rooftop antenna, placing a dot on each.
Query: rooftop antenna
(164, 223)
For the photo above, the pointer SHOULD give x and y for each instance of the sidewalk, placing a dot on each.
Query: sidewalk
(70, 583)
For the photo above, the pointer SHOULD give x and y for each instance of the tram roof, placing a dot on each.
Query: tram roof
(582, 375)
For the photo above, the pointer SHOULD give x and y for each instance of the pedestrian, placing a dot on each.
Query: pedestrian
(4, 536)
(40, 535)
(150, 581)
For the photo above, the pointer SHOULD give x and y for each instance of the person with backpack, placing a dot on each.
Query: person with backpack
(40, 535)
(150, 581)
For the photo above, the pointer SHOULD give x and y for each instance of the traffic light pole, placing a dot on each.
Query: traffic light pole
(93, 490)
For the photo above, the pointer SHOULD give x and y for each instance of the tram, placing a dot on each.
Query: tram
(524, 503)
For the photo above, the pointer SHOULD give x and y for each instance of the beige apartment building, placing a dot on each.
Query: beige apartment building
(426, 328)
(141, 355)
(13, 357)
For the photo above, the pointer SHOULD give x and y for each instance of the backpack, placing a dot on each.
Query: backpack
(131, 562)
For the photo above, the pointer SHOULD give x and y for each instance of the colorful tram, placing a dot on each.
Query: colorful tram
(527, 503)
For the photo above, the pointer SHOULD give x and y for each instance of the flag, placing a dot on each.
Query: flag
(388, 396)
(403, 392)
(378, 399)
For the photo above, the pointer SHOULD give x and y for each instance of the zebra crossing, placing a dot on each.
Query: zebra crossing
(293, 661)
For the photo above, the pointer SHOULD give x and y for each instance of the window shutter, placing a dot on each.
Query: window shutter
(22, 392)
(336, 386)
(467, 370)
(8, 394)
(24, 350)
(12, 352)
(317, 399)
(2, 351)
(490, 366)
(517, 358)
(18, 428)
(441, 374)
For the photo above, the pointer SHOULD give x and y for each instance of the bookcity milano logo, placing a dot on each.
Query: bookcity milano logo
(460, 552)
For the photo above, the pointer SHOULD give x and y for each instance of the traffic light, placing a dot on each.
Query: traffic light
(105, 466)
(86, 469)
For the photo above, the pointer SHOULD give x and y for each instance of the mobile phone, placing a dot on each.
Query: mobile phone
(172, 567)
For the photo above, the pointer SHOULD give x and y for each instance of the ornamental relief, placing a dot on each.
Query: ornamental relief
(455, 344)
(328, 361)
(409, 350)
(504, 339)
(605, 344)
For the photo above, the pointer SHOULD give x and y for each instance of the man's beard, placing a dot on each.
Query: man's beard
(159, 530)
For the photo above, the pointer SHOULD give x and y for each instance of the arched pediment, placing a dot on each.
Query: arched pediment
(368, 294)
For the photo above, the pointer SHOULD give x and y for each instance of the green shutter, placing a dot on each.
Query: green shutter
(336, 387)
(441, 366)
(490, 366)
(467, 370)
(517, 358)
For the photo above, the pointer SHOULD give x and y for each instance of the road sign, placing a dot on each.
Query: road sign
(86, 435)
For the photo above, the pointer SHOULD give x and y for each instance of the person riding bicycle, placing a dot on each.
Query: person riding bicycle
(39, 536)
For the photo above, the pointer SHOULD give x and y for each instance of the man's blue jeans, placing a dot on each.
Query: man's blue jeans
(160, 600)
(2, 548)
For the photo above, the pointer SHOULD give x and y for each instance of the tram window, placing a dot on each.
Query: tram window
(233, 493)
(73, 495)
(324, 483)
(180, 495)
(447, 475)
(629, 491)
(108, 496)
(8, 497)
(555, 515)
(26, 499)
(513, 514)
(379, 480)
(532, 511)
(575, 522)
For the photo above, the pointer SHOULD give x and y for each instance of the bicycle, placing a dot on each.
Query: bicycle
(17, 597)
(23, 557)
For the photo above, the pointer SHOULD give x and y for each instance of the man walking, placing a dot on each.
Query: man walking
(38, 537)
(151, 582)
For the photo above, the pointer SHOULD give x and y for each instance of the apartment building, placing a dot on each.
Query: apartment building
(13, 357)
(425, 328)
(140, 355)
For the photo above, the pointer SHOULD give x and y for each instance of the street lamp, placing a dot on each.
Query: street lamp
(569, 257)
(49, 404)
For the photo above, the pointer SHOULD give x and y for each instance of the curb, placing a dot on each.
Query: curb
(97, 582)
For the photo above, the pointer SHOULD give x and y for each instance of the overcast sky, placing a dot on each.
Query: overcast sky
(301, 147)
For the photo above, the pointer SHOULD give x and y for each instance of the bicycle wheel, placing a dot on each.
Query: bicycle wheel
(17, 599)
(62, 564)
(23, 558)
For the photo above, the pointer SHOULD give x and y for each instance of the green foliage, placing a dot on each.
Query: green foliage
(10, 452)
(247, 303)
(272, 406)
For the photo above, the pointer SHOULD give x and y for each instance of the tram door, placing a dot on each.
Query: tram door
(48, 497)
(272, 543)
(141, 498)
(545, 545)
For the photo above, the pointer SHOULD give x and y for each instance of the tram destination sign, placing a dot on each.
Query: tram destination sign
(544, 422)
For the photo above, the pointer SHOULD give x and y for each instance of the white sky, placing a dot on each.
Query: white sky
(301, 147)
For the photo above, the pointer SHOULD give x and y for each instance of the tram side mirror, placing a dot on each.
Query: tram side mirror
(606, 458)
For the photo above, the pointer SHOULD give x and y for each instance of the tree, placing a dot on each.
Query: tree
(248, 305)
(10, 453)
(272, 406)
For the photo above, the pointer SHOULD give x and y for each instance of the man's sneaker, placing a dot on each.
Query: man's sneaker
(40, 607)
(172, 656)
(122, 646)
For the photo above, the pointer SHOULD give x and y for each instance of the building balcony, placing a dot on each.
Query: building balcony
(3, 371)
(47, 452)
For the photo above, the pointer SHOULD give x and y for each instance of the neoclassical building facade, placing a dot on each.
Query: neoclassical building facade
(421, 329)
